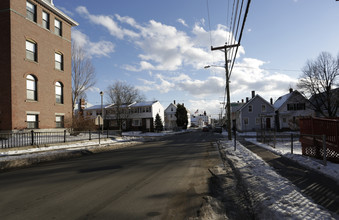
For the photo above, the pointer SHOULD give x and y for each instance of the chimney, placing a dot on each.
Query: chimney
(242, 100)
(291, 90)
(246, 99)
(271, 101)
(174, 102)
(253, 94)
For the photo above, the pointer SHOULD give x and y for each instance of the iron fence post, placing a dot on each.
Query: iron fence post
(64, 136)
(90, 137)
(291, 143)
(32, 132)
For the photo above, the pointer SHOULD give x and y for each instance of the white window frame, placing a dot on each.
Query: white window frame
(31, 11)
(32, 121)
(45, 20)
(57, 27)
(59, 96)
(31, 88)
(31, 50)
(59, 121)
(59, 61)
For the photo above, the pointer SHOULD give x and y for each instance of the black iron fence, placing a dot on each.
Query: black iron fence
(36, 138)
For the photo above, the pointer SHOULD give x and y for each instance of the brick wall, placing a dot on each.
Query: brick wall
(47, 44)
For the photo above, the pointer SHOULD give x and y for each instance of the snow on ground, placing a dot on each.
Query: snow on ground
(273, 196)
(20, 153)
(283, 148)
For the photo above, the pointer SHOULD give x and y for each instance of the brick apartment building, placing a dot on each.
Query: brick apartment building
(35, 60)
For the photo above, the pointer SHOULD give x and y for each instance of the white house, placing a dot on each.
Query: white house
(136, 116)
(200, 120)
(289, 108)
(171, 120)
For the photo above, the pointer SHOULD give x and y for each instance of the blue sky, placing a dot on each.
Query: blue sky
(161, 47)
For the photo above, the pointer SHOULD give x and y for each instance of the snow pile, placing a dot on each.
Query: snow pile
(331, 169)
(18, 153)
(273, 196)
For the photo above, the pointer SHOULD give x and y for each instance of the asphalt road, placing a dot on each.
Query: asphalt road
(166, 179)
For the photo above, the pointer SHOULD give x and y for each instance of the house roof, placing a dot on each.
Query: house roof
(281, 100)
(141, 104)
(94, 107)
(171, 104)
(251, 100)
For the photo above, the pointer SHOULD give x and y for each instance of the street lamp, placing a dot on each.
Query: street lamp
(228, 105)
(102, 115)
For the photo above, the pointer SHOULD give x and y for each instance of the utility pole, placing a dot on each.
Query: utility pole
(228, 105)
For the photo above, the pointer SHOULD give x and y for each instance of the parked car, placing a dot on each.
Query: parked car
(205, 129)
(218, 129)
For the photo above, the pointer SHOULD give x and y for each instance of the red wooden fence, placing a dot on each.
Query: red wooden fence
(311, 130)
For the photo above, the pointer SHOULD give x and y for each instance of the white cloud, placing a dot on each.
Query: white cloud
(98, 49)
(182, 21)
(107, 22)
(248, 75)
(94, 89)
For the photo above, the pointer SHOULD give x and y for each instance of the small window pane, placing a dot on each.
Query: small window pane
(30, 46)
(57, 27)
(45, 20)
(31, 11)
(32, 121)
(58, 61)
(31, 51)
(58, 57)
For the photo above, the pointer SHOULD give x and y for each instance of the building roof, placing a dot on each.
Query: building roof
(281, 100)
(251, 100)
(49, 5)
(94, 107)
(142, 104)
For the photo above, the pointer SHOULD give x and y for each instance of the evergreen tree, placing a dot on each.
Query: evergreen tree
(158, 123)
(181, 116)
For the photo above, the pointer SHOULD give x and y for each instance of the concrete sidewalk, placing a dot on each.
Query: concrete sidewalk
(322, 189)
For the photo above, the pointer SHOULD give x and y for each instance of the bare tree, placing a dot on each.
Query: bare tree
(121, 95)
(83, 73)
(319, 78)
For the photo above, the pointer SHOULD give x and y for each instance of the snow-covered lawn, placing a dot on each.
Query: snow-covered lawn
(274, 196)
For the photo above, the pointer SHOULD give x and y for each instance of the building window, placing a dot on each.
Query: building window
(263, 108)
(31, 51)
(136, 122)
(59, 61)
(250, 108)
(45, 20)
(59, 93)
(257, 121)
(59, 121)
(31, 88)
(296, 106)
(31, 11)
(57, 27)
(32, 121)
(245, 121)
